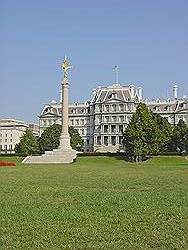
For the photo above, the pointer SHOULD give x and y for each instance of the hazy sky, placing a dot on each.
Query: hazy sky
(147, 39)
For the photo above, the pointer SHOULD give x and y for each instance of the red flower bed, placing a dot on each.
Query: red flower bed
(7, 164)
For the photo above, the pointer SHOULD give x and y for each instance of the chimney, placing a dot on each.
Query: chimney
(140, 93)
(132, 91)
(175, 92)
(60, 96)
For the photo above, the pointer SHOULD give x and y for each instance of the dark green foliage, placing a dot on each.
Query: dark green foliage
(179, 139)
(75, 139)
(163, 132)
(28, 144)
(49, 139)
(139, 136)
(147, 133)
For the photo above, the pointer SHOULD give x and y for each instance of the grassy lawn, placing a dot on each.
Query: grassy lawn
(95, 203)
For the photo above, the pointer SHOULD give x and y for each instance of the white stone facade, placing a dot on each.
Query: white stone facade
(101, 121)
(10, 132)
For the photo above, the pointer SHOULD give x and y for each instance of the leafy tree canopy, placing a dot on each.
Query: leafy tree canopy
(28, 144)
(147, 133)
(179, 139)
(49, 139)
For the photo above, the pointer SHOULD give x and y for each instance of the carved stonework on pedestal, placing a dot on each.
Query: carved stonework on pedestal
(64, 153)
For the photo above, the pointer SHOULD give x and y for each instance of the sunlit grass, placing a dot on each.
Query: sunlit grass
(95, 203)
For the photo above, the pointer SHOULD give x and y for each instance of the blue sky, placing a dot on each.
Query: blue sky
(147, 39)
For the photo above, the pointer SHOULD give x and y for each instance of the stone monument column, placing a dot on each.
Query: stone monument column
(65, 137)
(64, 144)
(64, 153)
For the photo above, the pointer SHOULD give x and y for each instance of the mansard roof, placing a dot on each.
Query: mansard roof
(168, 105)
(116, 91)
(55, 109)
(114, 94)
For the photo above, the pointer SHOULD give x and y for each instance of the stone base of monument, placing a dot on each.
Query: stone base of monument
(63, 154)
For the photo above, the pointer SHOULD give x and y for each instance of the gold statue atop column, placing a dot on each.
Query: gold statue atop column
(65, 66)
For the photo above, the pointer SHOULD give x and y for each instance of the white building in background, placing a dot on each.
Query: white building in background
(101, 120)
(11, 131)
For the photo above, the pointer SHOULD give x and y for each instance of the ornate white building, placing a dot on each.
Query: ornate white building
(101, 121)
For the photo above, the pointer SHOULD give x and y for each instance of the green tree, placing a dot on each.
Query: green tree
(179, 139)
(137, 134)
(163, 132)
(147, 133)
(49, 139)
(75, 139)
(28, 144)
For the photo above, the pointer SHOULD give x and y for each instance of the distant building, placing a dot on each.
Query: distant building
(101, 121)
(34, 128)
(10, 132)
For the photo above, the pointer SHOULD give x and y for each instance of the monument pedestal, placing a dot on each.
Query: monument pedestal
(63, 154)
(55, 156)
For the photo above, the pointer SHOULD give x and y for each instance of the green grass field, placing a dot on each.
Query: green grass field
(95, 203)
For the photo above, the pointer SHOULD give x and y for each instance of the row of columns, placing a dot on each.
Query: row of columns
(109, 139)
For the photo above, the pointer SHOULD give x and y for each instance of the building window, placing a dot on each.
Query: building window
(5, 140)
(98, 140)
(98, 120)
(128, 118)
(114, 95)
(113, 128)
(121, 128)
(74, 111)
(106, 140)
(121, 107)
(98, 108)
(82, 131)
(82, 121)
(77, 122)
(157, 108)
(87, 141)
(120, 139)
(121, 118)
(10, 147)
(72, 122)
(105, 128)
(113, 140)
(113, 107)
(106, 118)
(88, 110)
(114, 118)
(106, 108)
